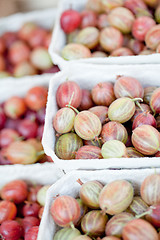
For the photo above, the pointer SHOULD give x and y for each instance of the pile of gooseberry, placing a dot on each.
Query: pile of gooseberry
(25, 52)
(21, 128)
(110, 212)
(112, 28)
(21, 209)
(118, 120)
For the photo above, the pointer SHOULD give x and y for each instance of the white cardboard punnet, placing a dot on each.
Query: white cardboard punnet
(59, 41)
(45, 174)
(68, 185)
(20, 86)
(87, 76)
(44, 18)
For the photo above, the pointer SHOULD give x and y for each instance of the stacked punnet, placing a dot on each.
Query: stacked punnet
(25, 52)
(21, 127)
(109, 212)
(21, 209)
(109, 121)
(111, 28)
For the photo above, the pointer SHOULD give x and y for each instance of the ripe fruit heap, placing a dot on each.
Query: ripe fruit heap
(112, 28)
(26, 52)
(111, 120)
(21, 128)
(21, 208)
(109, 212)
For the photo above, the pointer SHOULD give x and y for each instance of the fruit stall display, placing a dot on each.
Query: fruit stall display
(22, 198)
(106, 204)
(103, 29)
(98, 117)
(24, 47)
(92, 112)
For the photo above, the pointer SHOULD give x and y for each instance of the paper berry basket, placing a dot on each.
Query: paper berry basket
(68, 185)
(43, 18)
(59, 41)
(87, 76)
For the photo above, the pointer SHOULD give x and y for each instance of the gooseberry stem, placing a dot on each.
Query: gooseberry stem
(97, 139)
(137, 99)
(72, 108)
(138, 104)
(72, 225)
(93, 142)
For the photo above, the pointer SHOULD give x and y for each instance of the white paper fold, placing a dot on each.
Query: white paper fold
(19, 86)
(45, 174)
(44, 18)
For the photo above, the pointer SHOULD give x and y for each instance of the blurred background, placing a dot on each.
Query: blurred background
(8, 7)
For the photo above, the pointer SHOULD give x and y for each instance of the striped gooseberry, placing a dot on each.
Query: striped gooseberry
(65, 211)
(88, 152)
(114, 131)
(67, 234)
(114, 149)
(67, 145)
(93, 223)
(128, 87)
(139, 229)
(146, 139)
(68, 91)
(101, 112)
(148, 91)
(87, 125)
(122, 109)
(144, 118)
(89, 193)
(133, 153)
(73, 51)
(150, 189)
(122, 19)
(108, 200)
(115, 225)
(103, 93)
(155, 100)
(63, 121)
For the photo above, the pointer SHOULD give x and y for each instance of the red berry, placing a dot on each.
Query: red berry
(29, 222)
(10, 230)
(15, 191)
(70, 20)
(32, 233)
(28, 128)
